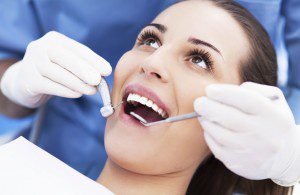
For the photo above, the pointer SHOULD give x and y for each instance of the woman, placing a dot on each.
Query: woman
(188, 46)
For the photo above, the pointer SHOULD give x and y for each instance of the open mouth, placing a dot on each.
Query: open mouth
(143, 106)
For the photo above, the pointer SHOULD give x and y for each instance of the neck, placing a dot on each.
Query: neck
(122, 181)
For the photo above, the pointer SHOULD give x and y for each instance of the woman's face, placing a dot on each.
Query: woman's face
(187, 47)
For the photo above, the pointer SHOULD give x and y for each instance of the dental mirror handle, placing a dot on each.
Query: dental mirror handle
(107, 108)
(182, 117)
(174, 119)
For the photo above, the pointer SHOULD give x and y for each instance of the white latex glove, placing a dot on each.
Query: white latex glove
(53, 65)
(252, 135)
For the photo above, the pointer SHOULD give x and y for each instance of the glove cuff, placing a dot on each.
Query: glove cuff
(12, 90)
(290, 158)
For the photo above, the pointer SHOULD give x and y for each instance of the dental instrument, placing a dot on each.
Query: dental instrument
(167, 120)
(179, 117)
(108, 108)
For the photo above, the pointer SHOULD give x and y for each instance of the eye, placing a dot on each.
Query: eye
(199, 62)
(201, 59)
(149, 38)
(152, 43)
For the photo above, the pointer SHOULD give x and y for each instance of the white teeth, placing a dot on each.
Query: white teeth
(135, 99)
(160, 111)
(149, 103)
(129, 98)
(143, 100)
(164, 114)
(155, 107)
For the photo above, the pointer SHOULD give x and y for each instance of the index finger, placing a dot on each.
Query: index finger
(99, 63)
(246, 100)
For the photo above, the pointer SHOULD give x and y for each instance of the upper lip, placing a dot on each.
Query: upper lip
(146, 92)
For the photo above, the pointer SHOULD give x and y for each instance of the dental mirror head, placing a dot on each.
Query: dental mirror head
(167, 120)
(141, 119)
(144, 122)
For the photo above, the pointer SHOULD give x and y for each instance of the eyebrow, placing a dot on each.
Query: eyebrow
(196, 41)
(160, 27)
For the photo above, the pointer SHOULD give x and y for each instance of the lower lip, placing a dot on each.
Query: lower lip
(128, 119)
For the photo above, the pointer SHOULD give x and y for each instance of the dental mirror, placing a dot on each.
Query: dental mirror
(168, 120)
(179, 117)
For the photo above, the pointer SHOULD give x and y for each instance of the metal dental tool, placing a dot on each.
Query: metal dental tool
(108, 108)
(171, 119)
(179, 117)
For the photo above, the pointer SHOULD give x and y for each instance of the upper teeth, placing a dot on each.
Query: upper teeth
(132, 97)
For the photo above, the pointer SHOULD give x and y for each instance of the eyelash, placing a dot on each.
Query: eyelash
(147, 34)
(204, 55)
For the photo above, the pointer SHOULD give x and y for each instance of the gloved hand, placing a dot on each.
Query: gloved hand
(253, 136)
(53, 65)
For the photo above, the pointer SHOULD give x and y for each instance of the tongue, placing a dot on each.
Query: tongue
(147, 113)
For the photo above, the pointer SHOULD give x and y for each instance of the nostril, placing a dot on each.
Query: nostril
(146, 70)
(157, 75)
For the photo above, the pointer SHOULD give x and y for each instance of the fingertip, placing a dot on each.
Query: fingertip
(104, 67)
(107, 70)
(198, 103)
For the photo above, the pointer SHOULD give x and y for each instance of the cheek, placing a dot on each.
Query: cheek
(188, 91)
(126, 66)
(187, 147)
(189, 139)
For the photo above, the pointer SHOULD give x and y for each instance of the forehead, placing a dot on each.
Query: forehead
(203, 20)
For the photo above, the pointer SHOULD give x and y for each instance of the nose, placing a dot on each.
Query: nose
(155, 67)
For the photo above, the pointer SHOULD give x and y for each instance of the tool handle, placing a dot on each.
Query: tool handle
(104, 92)
(183, 117)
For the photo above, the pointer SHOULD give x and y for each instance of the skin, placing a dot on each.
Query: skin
(162, 159)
